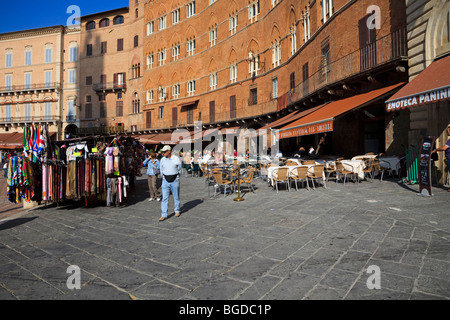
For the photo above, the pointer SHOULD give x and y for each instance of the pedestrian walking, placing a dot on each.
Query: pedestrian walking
(153, 166)
(170, 170)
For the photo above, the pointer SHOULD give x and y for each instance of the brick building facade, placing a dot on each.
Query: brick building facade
(247, 63)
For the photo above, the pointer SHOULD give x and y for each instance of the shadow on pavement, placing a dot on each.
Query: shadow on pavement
(14, 223)
(190, 205)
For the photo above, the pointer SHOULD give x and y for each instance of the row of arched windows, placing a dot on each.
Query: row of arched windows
(91, 25)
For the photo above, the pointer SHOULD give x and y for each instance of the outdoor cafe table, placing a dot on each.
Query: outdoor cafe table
(291, 171)
(391, 163)
(365, 156)
(355, 166)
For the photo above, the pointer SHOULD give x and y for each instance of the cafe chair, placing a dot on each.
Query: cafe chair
(317, 174)
(378, 169)
(291, 163)
(330, 169)
(368, 170)
(221, 182)
(300, 174)
(341, 171)
(248, 179)
(263, 171)
(186, 167)
(308, 162)
(281, 175)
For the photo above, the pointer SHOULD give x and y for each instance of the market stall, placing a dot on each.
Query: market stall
(95, 169)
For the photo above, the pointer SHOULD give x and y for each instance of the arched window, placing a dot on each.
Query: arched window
(90, 25)
(119, 20)
(104, 23)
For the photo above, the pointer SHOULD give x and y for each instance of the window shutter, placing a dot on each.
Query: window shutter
(174, 116)
(212, 111)
(233, 106)
(148, 119)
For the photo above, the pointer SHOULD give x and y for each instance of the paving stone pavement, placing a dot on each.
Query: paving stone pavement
(272, 246)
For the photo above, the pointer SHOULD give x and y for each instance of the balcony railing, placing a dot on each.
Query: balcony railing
(31, 87)
(71, 118)
(109, 86)
(383, 51)
(101, 130)
(27, 119)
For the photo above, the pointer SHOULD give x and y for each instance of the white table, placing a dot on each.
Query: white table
(365, 156)
(391, 163)
(355, 166)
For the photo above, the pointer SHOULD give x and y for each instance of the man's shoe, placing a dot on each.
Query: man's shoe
(177, 214)
(158, 199)
(151, 199)
(162, 219)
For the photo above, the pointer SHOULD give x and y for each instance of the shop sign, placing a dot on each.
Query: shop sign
(430, 97)
(424, 165)
(307, 130)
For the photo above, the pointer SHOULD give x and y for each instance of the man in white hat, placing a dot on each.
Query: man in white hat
(170, 167)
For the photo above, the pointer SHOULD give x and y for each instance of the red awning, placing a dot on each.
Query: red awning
(321, 120)
(430, 86)
(147, 139)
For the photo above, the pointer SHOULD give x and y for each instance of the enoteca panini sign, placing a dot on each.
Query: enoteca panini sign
(419, 99)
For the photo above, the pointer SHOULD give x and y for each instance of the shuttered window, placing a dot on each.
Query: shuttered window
(212, 111)
(233, 107)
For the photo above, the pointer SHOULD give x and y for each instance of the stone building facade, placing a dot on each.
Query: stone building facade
(79, 81)
(428, 40)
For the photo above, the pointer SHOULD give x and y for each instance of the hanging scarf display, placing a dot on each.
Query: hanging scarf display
(20, 180)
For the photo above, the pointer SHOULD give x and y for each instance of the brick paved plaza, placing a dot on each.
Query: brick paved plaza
(286, 246)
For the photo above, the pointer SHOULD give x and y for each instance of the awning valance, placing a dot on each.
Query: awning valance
(430, 86)
(322, 119)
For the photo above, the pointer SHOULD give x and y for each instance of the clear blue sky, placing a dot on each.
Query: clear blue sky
(18, 15)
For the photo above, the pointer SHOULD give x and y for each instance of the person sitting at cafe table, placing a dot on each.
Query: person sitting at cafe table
(311, 150)
(301, 151)
(247, 155)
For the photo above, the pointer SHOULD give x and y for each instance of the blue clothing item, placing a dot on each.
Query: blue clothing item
(168, 187)
(170, 166)
(447, 152)
(151, 166)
